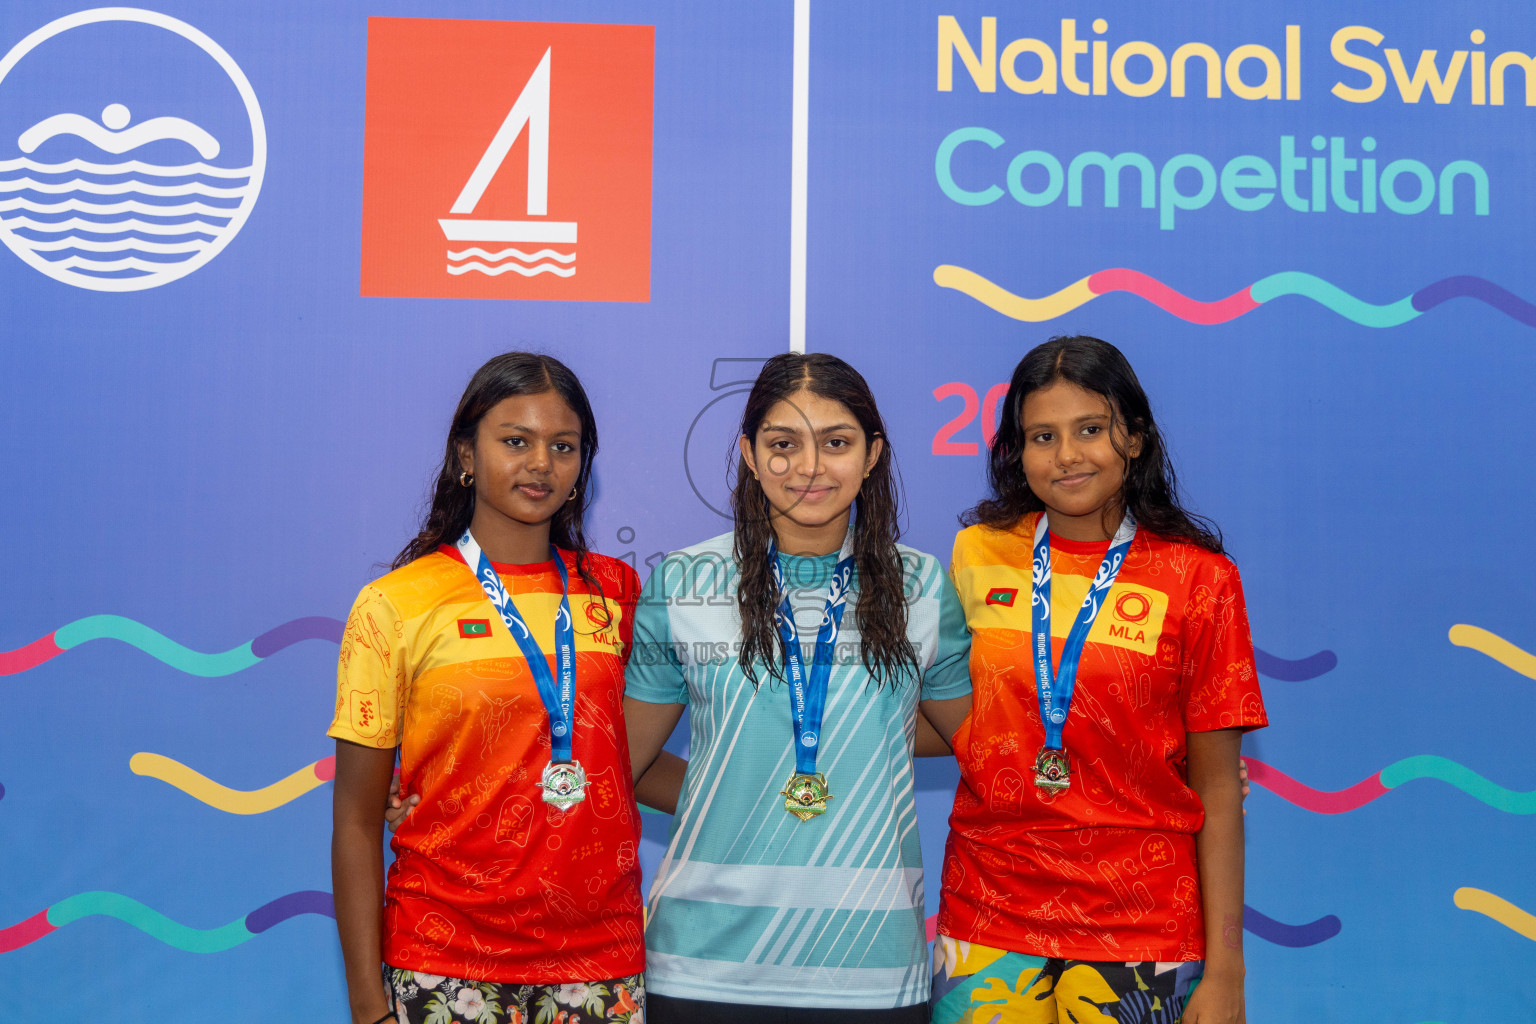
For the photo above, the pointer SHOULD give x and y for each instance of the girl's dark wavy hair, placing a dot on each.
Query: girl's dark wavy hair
(878, 569)
(453, 505)
(1150, 491)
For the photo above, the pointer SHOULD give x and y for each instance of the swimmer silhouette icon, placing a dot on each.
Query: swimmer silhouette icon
(114, 136)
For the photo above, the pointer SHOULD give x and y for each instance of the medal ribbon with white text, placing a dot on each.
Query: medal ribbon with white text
(1054, 690)
(559, 697)
(808, 694)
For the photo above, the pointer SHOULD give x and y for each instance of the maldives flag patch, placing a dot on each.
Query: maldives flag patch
(1002, 595)
(474, 629)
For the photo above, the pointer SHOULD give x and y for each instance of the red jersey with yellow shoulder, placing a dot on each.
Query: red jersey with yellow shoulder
(1105, 871)
(489, 882)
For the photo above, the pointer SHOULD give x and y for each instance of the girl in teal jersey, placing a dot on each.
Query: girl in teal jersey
(791, 888)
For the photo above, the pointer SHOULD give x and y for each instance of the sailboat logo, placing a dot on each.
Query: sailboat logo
(116, 198)
(491, 147)
(530, 111)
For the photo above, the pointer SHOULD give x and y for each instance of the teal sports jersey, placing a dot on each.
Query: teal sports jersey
(750, 904)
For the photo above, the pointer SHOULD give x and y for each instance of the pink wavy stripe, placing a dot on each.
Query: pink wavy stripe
(30, 930)
(1154, 291)
(1287, 788)
(30, 656)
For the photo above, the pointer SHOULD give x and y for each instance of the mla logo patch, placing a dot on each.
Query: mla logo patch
(1133, 607)
(508, 160)
(1002, 595)
(474, 629)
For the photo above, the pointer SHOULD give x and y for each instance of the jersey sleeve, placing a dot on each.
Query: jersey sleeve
(950, 674)
(1220, 681)
(654, 673)
(628, 598)
(371, 674)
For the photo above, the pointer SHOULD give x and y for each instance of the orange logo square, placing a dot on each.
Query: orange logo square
(508, 160)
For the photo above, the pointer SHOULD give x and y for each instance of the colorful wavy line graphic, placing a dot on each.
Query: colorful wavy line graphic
(158, 926)
(1517, 920)
(1294, 936)
(1261, 925)
(233, 801)
(1295, 671)
(320, 627)
(1330, 296)
(1495, 647)
(160, 647)
(1421, 766)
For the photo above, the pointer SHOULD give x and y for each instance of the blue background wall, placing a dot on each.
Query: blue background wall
(236, 450)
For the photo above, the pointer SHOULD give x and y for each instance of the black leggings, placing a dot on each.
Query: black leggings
(660, 1009)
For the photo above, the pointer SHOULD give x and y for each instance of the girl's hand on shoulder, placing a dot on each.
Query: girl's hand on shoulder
(1218, 999)
(397, 810)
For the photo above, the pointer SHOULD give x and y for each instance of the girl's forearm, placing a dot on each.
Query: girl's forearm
(1213, 775)
(357, 872)
(357, 880)
(662, 784)
(929, 742)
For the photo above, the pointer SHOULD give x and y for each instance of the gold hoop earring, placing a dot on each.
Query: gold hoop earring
(573, 496)
(466, 478)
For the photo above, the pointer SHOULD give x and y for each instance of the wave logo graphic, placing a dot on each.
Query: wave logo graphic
(71, 205)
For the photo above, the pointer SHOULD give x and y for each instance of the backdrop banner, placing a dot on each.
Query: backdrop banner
(254, 252)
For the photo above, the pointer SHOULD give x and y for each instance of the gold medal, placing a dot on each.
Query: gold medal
(1053, 772)
(806, 795)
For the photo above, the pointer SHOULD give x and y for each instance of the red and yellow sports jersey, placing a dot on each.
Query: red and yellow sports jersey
(489, 882)
(1107, 870)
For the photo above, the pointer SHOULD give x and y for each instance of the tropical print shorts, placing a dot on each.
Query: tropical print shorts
(433, 999)
(975, 984)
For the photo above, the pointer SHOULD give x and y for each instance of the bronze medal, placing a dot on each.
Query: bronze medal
(1053, 772)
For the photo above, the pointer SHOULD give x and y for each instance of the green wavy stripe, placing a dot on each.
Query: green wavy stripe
(150, 922)
(116, 627)
(1428, 766)
(1330, 296)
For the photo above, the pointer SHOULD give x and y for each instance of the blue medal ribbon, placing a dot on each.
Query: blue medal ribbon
(1054, 690)
(559, 697)
(808, 694)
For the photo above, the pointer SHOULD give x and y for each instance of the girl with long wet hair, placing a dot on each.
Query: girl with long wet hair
(491, 658)
(1095, 856)
(803, 642)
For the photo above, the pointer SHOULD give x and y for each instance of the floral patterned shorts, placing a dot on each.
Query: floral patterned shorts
(433, 999)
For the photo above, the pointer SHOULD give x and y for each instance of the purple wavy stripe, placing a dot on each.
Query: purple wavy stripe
(292, 905)
(1505, 302)
(1289, 671)
(316, 627)
(1293, 935)
(2, 792)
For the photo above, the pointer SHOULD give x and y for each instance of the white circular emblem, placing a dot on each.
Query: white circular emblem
(116, 199)
(1058, 716)
(808, 740)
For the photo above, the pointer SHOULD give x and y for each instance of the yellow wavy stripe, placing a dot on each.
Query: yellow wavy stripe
(231, 801)
(1496, 647)
(1006, 302)
(1521, 922)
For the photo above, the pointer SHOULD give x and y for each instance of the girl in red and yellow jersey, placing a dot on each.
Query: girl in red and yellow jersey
(1095, 859)
(492, 657)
